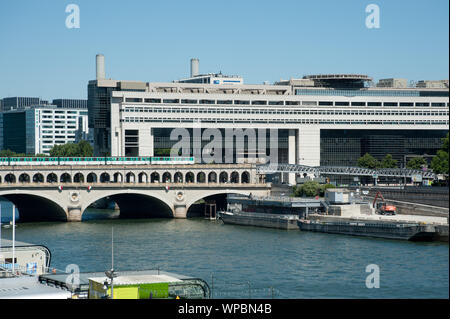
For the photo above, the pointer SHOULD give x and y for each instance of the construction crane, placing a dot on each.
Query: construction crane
(382, 208)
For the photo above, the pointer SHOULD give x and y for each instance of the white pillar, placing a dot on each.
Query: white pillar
(145, 141)
(309, 146)
(292, 151)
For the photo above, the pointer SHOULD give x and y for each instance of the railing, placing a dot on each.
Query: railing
(342, 170)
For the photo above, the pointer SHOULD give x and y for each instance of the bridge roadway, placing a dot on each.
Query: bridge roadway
(64, 192)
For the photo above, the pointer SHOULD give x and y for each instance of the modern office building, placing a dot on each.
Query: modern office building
(70, 103)
(36, 129)
(320, 119)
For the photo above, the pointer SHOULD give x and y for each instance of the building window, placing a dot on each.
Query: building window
(152, 100)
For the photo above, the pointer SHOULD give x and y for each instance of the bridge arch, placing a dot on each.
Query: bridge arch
(38, 178)
(118, 177)
(212, 177)
(52, 178)
(218, 195)
(245, 177)
(78, 178)
(65, 178)
(91, 178)
(223, 177)
(33, 207)
(201, 177)
(10, 178)
(154, 177)
(104, 177)
(136, 204)
(167, 177)
(24, 178)
(190, 177)
(234, 177)
(130, 177)
(178, 177)
(142, 177)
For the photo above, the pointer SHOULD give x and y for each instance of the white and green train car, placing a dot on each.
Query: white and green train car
(25, 161)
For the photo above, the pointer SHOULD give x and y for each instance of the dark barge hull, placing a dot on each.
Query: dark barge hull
(259, 221)
(378, 230)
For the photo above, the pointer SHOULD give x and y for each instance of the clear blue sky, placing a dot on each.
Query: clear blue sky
(259, 40)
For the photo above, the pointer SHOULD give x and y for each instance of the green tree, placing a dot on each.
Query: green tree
(368, 161)
(388, 162)
(439, 163)
(8, 153)
(85, 149)
(81, 149)
(311, 189)
(324, 187)
(416, 163)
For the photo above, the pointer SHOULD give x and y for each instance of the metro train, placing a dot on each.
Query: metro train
(12, 161)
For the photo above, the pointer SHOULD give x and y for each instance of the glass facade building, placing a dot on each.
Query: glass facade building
(345, 147)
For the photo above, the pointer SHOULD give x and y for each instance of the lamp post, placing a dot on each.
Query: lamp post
(111, 275)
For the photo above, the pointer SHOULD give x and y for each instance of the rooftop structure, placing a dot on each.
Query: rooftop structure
(19, 102)
(441, 84)
(70, 103)
(353, 81)
(210, 78)
(392, 83)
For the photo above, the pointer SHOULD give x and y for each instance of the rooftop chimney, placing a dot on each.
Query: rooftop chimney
(100, 66)
(194, 67)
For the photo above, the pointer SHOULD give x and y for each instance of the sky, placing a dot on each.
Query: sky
(256, 39)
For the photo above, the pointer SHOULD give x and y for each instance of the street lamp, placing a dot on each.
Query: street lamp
(111, 275)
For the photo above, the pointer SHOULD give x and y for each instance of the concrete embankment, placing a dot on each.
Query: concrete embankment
(434, 196)
(410, 208)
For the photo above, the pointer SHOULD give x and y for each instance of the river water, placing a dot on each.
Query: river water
(247, 262)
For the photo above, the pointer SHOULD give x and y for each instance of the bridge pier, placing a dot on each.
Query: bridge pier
(74, 214)
(180, 211)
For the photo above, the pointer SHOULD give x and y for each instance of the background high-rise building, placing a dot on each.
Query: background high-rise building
(36, 129)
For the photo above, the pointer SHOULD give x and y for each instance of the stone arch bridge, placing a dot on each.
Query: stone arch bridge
(64, 192)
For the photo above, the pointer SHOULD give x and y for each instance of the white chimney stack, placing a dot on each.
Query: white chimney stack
(194, 67)
(100, 66)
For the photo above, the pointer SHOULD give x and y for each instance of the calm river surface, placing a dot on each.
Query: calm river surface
(296, 264)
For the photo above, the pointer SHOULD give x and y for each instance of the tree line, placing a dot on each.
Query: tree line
(80, 149)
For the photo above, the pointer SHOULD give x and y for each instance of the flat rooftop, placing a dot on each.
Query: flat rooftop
(27, 287)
